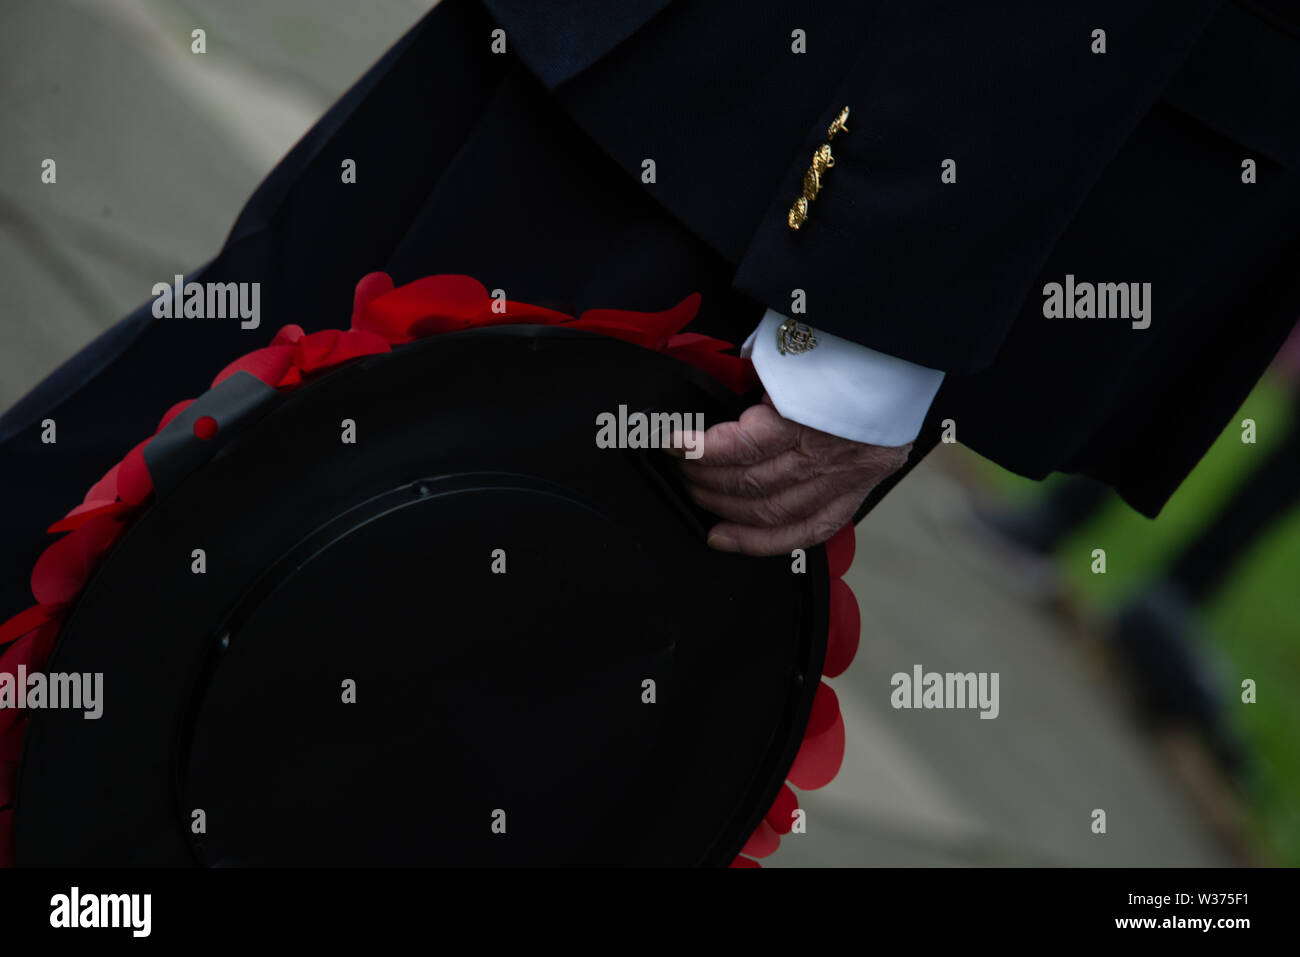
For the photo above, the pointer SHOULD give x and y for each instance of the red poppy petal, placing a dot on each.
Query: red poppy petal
(819, 758)
(451, 294)
(762, 842)
(615, 329)
(29, 619)
(454, 299)
(105, 490)
(525, 312)
(85, 512)
(839, 551)
(736, 373)
(372, 286)
(825, 709)
(351, 343)
(655, 328)
(43, 640)
(707, 355)
(291, 379)
(781, 814)
(322, 351)
(269, 365)
(315, 347)
(844, 631)
(357, 342)
(67, 564)
(289, 334)
(693, 342)
(436, 326)
(738, 862)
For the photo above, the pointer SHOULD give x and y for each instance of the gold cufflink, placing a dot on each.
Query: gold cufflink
(794, 337)
(822, 160)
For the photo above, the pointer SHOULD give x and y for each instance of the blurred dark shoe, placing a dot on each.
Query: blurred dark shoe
(1028, 527)
(1161, 643)
(1012, 535)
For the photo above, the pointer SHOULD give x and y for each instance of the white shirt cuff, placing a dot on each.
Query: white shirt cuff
(843, 388)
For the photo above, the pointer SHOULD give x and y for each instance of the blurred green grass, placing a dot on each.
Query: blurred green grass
(1253, 621)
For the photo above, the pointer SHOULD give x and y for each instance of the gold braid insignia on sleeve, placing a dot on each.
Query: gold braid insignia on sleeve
(813, 181)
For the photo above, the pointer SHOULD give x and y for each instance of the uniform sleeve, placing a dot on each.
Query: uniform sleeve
(975, 133)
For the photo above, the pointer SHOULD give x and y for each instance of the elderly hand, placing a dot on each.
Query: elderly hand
(779, 485)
